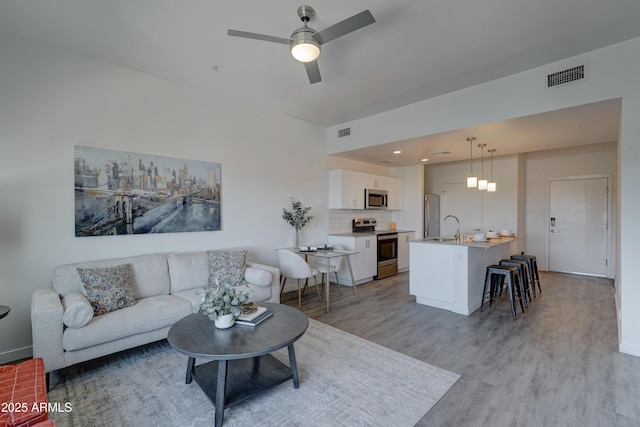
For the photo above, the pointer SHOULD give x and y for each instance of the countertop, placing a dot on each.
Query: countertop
(471, 243)
(370, 233)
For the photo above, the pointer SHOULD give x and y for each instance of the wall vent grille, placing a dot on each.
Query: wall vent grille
(566, 76)
(344, 132)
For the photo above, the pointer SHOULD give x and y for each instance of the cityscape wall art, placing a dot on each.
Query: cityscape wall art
(117, 192)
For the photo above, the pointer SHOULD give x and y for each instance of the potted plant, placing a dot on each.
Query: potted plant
(223, 303)
(297, 217)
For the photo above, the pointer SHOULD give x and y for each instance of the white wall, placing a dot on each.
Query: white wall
(502, 209)
(410, 218)
(52, 100)
(613, 73)
(496, 211)
(543, 165)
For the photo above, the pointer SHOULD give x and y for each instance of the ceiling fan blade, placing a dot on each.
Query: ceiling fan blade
(356, 22)
(313, 71)
(256, 36)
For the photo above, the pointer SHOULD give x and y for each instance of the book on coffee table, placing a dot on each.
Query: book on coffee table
(250, 316)
(263, 315)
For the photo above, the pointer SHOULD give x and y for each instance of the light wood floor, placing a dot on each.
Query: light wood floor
(556, 365)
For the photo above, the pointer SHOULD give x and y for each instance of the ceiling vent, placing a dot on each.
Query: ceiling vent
(344, 132)
(565, 77)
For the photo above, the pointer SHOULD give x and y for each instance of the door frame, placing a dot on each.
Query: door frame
(610, 268)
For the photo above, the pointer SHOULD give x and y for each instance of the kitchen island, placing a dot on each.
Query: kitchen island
(449, 275)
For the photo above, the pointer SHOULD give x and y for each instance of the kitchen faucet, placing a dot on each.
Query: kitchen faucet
(458, 221)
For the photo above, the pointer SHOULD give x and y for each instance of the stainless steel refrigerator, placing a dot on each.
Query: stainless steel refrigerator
(431, 215)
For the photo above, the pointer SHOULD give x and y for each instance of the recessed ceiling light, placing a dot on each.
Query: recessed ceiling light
(397, 152)
(424, 160)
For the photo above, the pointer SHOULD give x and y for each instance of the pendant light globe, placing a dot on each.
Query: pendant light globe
(472, 180)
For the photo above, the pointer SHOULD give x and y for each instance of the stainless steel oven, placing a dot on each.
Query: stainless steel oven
(387, 254)
(387, 247)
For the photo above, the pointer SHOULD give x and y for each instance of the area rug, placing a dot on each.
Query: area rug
(344, 380)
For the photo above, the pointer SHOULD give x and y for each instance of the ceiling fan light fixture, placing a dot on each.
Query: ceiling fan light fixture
(304, 47)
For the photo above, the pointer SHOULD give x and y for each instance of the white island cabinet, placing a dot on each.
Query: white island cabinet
(364, 263)
(450, 276)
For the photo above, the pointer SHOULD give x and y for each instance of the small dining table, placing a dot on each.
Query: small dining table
(328, 254)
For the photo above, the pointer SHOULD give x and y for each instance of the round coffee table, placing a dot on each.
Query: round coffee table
(240, 365)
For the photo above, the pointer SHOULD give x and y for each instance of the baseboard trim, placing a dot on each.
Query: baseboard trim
(630, 349)
(17, 354)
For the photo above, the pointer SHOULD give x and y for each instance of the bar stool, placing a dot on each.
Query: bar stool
(532, 263)
(495, 278)
(523, 272)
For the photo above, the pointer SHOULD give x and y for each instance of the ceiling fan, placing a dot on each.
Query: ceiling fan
(305, 42)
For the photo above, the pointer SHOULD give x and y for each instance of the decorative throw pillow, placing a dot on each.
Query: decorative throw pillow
(227, 267)
(108, 289)
(77, 310)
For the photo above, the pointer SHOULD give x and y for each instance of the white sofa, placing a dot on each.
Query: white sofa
(164, 287)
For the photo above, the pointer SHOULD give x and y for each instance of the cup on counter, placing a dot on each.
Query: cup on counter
(505, 232)
(479, 237)
(492, 234)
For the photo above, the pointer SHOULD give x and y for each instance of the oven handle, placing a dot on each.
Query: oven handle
(387, 236)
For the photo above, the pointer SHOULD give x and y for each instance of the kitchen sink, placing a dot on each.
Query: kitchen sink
(440, 239)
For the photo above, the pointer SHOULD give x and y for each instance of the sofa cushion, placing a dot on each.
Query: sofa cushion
(260, 293)
(226, 266)
(192, 296)
(257, 276)
(77, 310)
(107, 289)
(149, 275)
(188, 271)
(149, 314)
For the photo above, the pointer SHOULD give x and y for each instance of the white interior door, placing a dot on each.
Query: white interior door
(463, 202)
(578, 226)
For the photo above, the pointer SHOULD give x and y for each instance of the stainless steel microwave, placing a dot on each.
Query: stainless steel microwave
(375, 199)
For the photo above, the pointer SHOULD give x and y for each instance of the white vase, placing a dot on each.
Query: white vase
(225, 321)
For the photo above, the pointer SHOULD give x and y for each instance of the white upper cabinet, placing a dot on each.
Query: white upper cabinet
(346, 189)
(395, 192)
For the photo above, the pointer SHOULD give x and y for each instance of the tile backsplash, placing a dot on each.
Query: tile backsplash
(340, 219)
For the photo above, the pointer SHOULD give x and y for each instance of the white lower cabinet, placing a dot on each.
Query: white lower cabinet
(403, 250)
(364, 263)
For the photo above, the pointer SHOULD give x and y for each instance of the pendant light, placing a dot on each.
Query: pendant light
(472, 180)
(482, 183)
(491, 186)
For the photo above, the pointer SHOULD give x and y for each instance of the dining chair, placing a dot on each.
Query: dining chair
(334, 266)
(294, 266)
